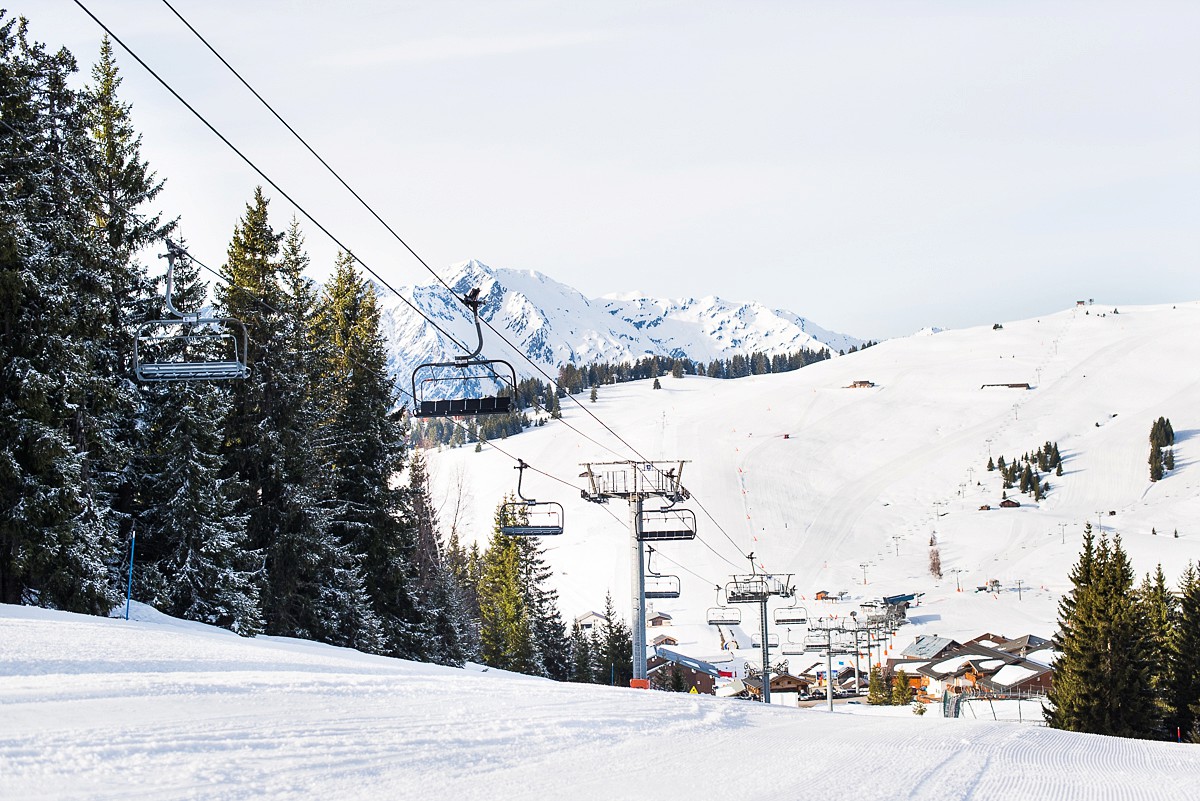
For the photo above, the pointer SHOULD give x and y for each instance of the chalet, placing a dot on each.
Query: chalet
(664, 639)
(1023, 676)
(785, 688)
(929, 646)
(1009, 503)
(861, 385)
(659, 619)
(662, 675)
(1024, 646)
(1007, 386)
(985, 508)
(979, 668)
(590, 621)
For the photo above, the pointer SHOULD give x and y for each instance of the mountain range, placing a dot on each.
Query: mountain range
(553, 324)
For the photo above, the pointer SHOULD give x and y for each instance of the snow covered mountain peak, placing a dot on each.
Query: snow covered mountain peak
(555, 324)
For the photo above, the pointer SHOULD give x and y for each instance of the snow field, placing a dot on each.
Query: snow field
(158, 709)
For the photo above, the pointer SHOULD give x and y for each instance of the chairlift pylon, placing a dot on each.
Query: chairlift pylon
(528, 517)
(461, 371)
(191, 347)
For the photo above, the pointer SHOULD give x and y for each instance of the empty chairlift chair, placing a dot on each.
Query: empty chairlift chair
(668, 523)
(791, 616)
(721, 615)
(658, 585)
(791, 647)
(528, 517)
(190, 346)
(461, 378)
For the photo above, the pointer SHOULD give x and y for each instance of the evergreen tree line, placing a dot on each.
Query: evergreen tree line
(262, 505)
(605, 655)
(541, 396)
(1162, 456)
(889, 690)
(1128, 655)
(1025, 473)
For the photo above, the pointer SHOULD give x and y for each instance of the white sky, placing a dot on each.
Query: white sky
(876, 167)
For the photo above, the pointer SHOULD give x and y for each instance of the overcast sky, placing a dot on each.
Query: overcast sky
(875, 167)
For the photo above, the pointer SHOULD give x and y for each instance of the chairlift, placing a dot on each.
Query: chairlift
(658, 585)
(721, 615)
(792, 648)
(772, 640)
(431, 379)
(528, 517)
(191, 347)
(816, 641)
(747, 590)
(791, 616)
(667, 523)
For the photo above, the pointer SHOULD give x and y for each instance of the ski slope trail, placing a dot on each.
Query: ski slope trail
(156, 708)
(861, 460)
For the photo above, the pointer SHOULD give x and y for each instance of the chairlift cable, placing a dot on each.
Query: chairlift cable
(349, 252)
(264, 176)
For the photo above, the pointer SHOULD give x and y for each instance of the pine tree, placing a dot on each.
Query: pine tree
(548, 629)
(124, 183)
(902, 692)
(1156, 463)
(58, 535)
(506, 627)
(315, 587)
(1183, 696)
(614, 655)
(390, 532)
(583, 669)
(1103, 675)
(1158, 610)
(443, 606)
(192, 559)
(877, 694)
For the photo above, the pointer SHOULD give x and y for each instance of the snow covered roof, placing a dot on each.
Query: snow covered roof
(928, 646)
(1012, 674)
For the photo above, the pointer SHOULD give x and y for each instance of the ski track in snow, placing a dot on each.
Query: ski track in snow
(195, 713)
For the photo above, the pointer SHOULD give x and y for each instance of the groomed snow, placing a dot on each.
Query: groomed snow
(160, 709)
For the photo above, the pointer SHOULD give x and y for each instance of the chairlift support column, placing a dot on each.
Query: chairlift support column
(635, 481)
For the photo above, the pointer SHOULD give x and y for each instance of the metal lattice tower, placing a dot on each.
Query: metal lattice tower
(635, 482)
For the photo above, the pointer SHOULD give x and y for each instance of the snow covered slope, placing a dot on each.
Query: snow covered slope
(161, 709)
(835, 484)
(554, 324)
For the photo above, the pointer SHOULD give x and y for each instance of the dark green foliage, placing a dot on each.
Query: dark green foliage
(315, 587)
(193, 562)
(877, 693)
(1156, 464)
(1161, 437)
(902, 692)
(1158, 608)
(1103, 676)
(61, 398)
(614, 653)
(1183, 696)
(520, 625)
(583, 667)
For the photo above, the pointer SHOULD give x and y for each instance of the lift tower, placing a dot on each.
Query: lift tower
(757, 588)
(636, 482)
